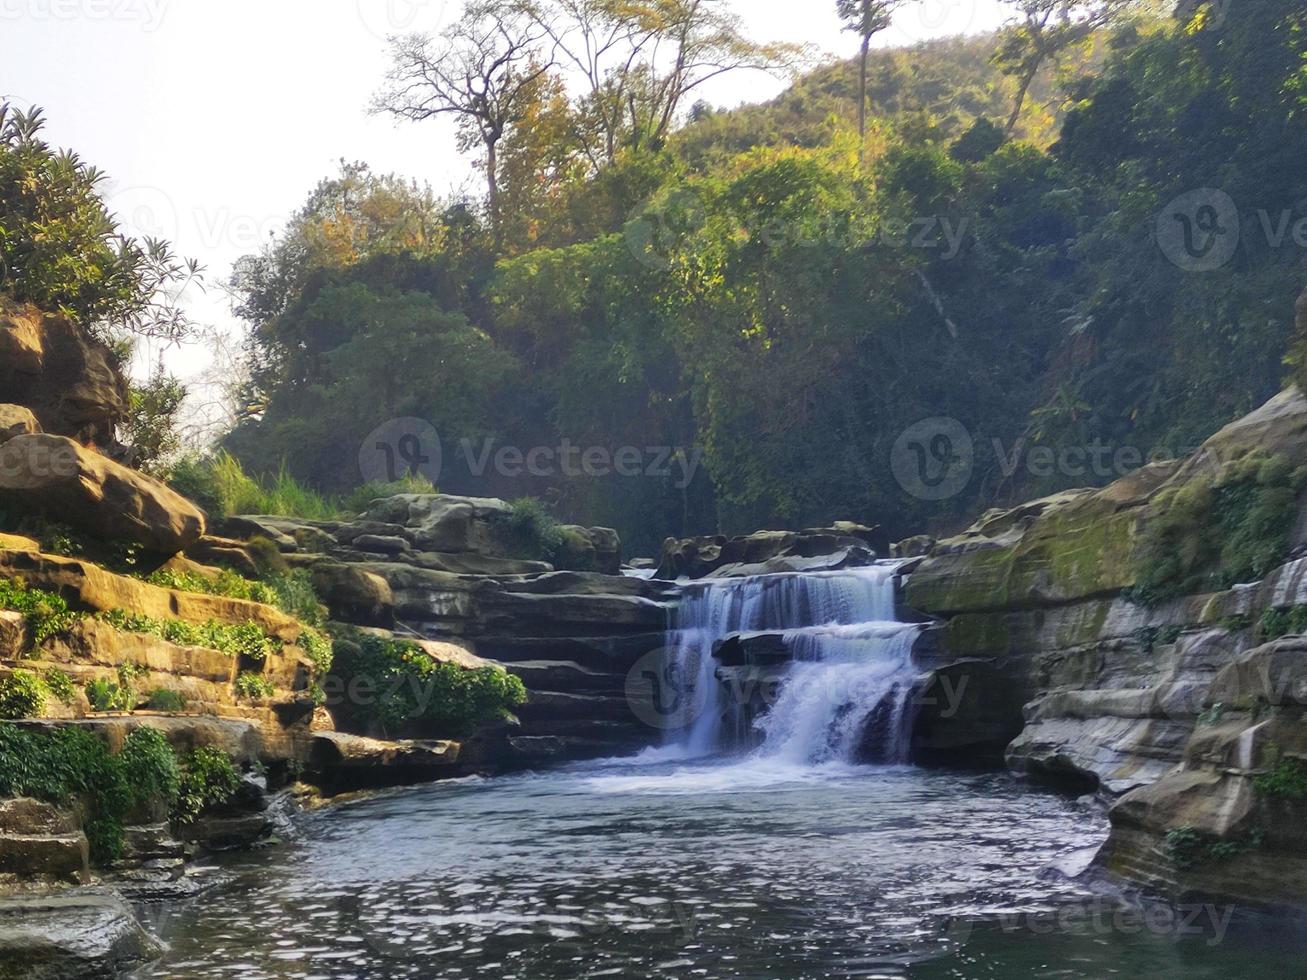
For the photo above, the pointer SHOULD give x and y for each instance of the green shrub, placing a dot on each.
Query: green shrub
(220, 484)
(411, 687)
(534, 532)
(208, 778)
(149, 767)
(1189, 848)
(105, 695)
(1287, 781)
(60, 686)
(1218, 530)
(252, 686)
(22, 695)
(1275, 623)
(47, 614)
(64, 767)
(162, 699)
(318, 649)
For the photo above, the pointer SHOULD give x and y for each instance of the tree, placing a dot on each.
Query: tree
(62, 250)
(1041, 30)
(483, 71)
(868, 18)
(639, 60)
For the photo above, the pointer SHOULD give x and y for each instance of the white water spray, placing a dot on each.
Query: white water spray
(848, 690)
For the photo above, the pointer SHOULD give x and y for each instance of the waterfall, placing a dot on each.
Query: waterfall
(844, 696)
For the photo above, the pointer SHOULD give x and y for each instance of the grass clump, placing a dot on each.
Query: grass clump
(533, 530)
(1189, 848)
(408, 687)
(1218, 530)
(163, 699)
(22, 695)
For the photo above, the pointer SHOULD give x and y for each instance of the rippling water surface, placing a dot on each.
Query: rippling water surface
(674, 869)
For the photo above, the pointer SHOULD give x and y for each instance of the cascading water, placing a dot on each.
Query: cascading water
(847, 691)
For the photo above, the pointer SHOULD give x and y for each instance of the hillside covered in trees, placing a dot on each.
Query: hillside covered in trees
(767, 299)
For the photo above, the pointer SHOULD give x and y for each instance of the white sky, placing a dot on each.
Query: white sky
(215, 118)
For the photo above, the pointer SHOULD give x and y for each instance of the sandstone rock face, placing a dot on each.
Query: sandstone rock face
(38, 840)
(111, 502)
(845, 545)
(66, 378)
(15, 420)
(351, 762)
(70, 937)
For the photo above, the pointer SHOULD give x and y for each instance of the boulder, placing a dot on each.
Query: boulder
(80, 487)
(66, 377)
(15, 420)
(843, 545)
(347, 762)
(69, 937)
(441, 522)
(353, 595)
(596, 549)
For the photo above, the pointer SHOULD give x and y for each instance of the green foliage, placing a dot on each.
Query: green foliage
(62, 250)
(150, 767)
(47, 614)
(404, 685)
(70, 767)
(151, 428)
(222, 487)
(359, 499)
(1275, 623)
(252, 686)
(534, 531)
(293, 594)
(60, 686)
(1189, 848)
(22, 695)
(106, 695)
(318, 649)
(208, 779)
(1217, 530)
(240, 640)
(1287, 781)
(163, 699)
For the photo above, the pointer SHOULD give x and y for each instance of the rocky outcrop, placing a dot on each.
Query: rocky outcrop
(1171, 712)
(15, 420)
(70, 937)
(844, 545)
(344, 762)
(66, 378)
(57, 476)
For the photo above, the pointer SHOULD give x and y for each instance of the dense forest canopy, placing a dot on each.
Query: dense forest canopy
(1100, 257)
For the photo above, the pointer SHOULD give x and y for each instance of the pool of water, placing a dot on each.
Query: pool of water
(716, 869)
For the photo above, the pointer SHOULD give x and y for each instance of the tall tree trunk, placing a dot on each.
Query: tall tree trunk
(1027, 80)
(862, 98)
(492, 190)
